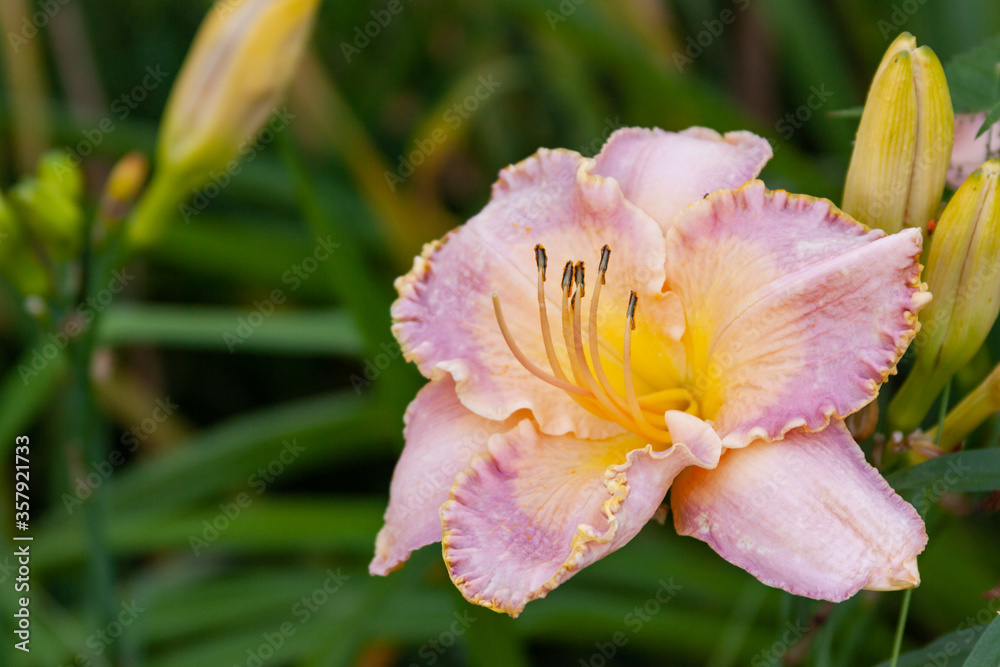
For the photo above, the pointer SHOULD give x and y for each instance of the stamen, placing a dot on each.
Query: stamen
(633, 301)
(541, 260)
(633, 402)
(524, 361)
(581, 359)
(550, 351)
(595, 353)
(605, 256)
(593, 390)
(567, 322)
(567, 279)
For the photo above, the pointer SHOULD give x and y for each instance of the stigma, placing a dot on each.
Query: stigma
(585, 380)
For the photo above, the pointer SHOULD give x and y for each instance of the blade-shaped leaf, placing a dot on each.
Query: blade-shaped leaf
(977, 470)
(972, 77)
(987, 650)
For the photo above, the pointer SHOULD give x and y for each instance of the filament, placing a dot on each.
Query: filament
(589, 386)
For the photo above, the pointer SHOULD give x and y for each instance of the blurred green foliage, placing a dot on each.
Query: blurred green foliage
(224, 552)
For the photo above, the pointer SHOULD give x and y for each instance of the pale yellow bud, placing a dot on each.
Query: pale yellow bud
(974, 409)
(123, 186)
(963, 274)
(234, 76)
(900, 159)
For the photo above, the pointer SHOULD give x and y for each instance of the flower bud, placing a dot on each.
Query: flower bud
(56, 169)
(235, 74)
(233, 77)
(9, 233)
(17, 262)
(53, 218)
(862, 424)
(963, 274)
(900, 159)
(974, 409)
(123, 186)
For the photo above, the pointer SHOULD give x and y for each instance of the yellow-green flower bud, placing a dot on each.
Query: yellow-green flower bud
(17, 261)
(979, 404)
(234, 76)
(53, 218)
(123, 186)
(963, 275)
(9, 233)
(900, 159)
(56, 169)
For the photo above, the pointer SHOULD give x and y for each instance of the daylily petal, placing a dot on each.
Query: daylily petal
(444, 317)
(442, 437)
(662, 172)
(795, 312)
(806, 514)
(538, 508)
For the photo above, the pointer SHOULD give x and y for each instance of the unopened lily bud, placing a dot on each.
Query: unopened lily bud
(123, 186)
(17, 262)
(9, 233)
(55, 220)
(974, 409)
(862, 424)
(57, 170)
(963, 274)
(900, 159)
(234, 76)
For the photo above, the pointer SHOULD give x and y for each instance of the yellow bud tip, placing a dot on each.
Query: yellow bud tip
(123, 186)
(897, 173)
(233, 77)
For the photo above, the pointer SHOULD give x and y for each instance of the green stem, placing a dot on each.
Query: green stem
(158, 205)
(88, 430)
(972, 411)
(943, 411)
(905, 609)
(914, 399)
(900, 626)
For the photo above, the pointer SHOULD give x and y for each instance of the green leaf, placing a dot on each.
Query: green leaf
(850, 112)
(987, 650)
(949, 649)
(972, 471)
(972, 77)
(232, 251)
(992, 117)
(26, 389)
(222, 458)
(495, 639)
(263, 526)
(305, 332)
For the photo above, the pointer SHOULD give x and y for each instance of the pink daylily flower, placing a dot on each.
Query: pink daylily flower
(704, 334)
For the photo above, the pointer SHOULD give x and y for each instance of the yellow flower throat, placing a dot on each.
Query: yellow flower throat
(587, 383)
